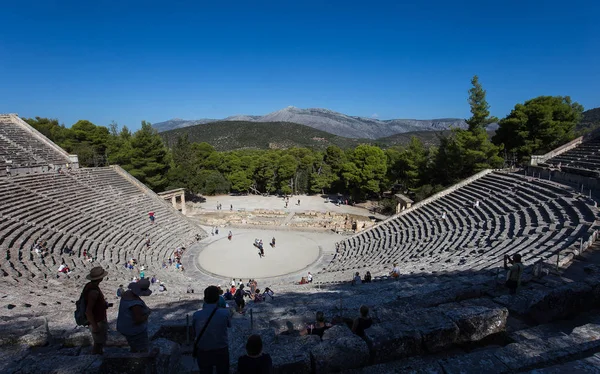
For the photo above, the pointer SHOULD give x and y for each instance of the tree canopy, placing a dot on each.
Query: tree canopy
(539, 125)
(366, 170)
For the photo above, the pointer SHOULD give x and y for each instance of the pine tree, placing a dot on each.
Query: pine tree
(148, 159)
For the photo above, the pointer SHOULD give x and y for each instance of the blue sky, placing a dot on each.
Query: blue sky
(154, 60)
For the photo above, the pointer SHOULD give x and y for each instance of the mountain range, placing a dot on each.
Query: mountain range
(332, 122)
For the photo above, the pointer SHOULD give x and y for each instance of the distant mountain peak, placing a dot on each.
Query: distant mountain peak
(333, 122)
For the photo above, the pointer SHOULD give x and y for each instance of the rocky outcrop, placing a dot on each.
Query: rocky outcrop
(545, 304)
(475, 323)
(340, 350)
(392, 341)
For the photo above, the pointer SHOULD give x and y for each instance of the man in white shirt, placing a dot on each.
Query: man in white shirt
(309, 278)
(395, 273)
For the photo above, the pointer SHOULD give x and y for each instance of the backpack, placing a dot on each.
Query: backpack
(80, 308)
(119, 291)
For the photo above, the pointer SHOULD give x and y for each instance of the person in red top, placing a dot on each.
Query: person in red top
(151, 216)
(96, 306)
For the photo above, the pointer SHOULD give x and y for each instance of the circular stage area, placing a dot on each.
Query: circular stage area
(239, 257)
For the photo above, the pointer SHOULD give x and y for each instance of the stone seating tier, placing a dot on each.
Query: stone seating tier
(96, 210)
(515, 215)
(585, 156)
(20, 148)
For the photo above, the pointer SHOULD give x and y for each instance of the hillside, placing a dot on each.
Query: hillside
(230, 135)
(177, 123)
(589, 121)
(333, 122)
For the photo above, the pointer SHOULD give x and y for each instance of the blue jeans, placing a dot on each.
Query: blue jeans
(218, 358)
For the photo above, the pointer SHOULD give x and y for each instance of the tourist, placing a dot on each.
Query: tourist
(210, 329)
(162, 287)
(153, 279)
(257, 296)
(142, 273)
(231, 207)
(309, 277)
(233, 290)
(318, 328)
(232, 282)
(120, 291)
(151, 216)
(240, 283)
(356, 280)
(216, 230)
(221, 303)
(96, 306)
(228, 295)
(367, 278)
(303, 280)
(513, 278)
(395, 273)
(132, 321)
(444, 215)
(189, 289)
(238, 296)
(229, 235)
(268, 292)
(363, 322)
(273, 242)
(255, 361)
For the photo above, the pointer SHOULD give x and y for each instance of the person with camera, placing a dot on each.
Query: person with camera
(95, 310)
(513, 278)
(209, 326)
(132, 321)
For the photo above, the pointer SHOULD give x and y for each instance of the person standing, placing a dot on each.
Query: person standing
(513, 278)
(96, 306)
(213, 345)
(132, 321)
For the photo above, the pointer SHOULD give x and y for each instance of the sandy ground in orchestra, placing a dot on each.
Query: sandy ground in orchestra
(239, 258)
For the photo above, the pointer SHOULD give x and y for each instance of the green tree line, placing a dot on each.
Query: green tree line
(535, 126)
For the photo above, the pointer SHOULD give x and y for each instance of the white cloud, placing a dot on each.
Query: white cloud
(374, 115)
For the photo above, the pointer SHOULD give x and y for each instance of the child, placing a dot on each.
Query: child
(255, 361)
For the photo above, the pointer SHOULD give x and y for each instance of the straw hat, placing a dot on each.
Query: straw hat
(97, 273)
(140, 288)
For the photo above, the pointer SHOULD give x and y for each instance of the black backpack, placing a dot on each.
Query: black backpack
(81, 306)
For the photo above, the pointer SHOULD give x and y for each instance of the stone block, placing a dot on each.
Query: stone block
(437, 331)
(414, 365)
(339, 350)
(173, 331)
(586, 365)
(475, 323)
(38, 337)
(124, 362)
(526, 354)
(392, 341)
(52, 363)
(80, 337)
(474, 363)
(169, 356)
(560, 302)
(291, 355)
